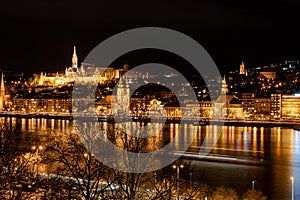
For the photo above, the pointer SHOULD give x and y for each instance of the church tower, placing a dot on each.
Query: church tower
(74, 59)
(2, 93)
(224, 89)
(123, 96)
(242, 68)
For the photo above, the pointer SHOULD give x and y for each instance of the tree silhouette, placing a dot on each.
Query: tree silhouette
(17, 179)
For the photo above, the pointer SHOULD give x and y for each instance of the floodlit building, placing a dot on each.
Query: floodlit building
(242, 68)
(227, 106)
(85, 74)
(248, 103)
(290, 106)
(268, 74)
(275, 106)
(2, 93)
(5, 101)
(262, 108)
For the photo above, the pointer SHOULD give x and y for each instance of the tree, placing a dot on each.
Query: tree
(77, 168)
(254, 195)
(132, 185)
(17, 180)
(198, 191)
(222, 193)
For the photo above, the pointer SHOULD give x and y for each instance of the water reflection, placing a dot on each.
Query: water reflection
(277, 147)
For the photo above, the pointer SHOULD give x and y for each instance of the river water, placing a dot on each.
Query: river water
(277, 148)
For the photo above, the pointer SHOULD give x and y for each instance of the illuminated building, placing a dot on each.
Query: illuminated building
(275, 102)
(123, 97)
(228, 106)
(242, 68)
(248, 103)
(206, 109)
(285, 106)
(220, 107)
(268, 74)
(5, 102)
(290, 107)
(155, 108)
(2, 94)
(85, 74)
(104, 106)
(74, 59)
(42, 105)
(235, 109)
(262, 108)
(173, 109)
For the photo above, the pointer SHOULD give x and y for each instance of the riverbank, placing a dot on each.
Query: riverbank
(259, 123)
(227, 122)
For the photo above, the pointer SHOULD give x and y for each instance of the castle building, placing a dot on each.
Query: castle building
(85, 74)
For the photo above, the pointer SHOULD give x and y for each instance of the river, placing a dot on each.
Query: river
(278, 148)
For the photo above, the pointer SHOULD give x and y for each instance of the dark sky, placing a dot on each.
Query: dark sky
(39, 35)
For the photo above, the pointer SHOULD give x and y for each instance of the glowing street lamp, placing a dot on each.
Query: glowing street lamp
(191, 180)
(178, 170)
(37, 156)
(88, 155)
(253, 182)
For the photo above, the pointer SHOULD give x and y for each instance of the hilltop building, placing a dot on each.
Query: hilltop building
(85, 74)
(242, 68)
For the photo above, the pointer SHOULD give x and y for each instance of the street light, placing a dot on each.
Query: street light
(293, 188)
(191, 180)
(253, 182)
(177, 167)
(37, 157)
(88, 155)
(178, 170)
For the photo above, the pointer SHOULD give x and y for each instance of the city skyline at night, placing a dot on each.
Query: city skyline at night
(157, 100)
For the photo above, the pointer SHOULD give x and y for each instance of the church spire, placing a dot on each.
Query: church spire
(2, 93)
(242, 68)
(74, 59)
(224, 89)
(74, 51)
(224, 81)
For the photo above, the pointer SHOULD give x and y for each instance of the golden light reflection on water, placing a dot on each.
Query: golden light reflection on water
(254, 138)
(234, 140)
(279, 146)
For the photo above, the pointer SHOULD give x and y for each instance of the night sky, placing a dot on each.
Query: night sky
(39, 35)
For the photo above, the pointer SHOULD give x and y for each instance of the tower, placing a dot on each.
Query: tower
(123, 96)
(2, 93)
(224, 89)
(126, 66)
(41, 81)
(74, 59)
(242, 68)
